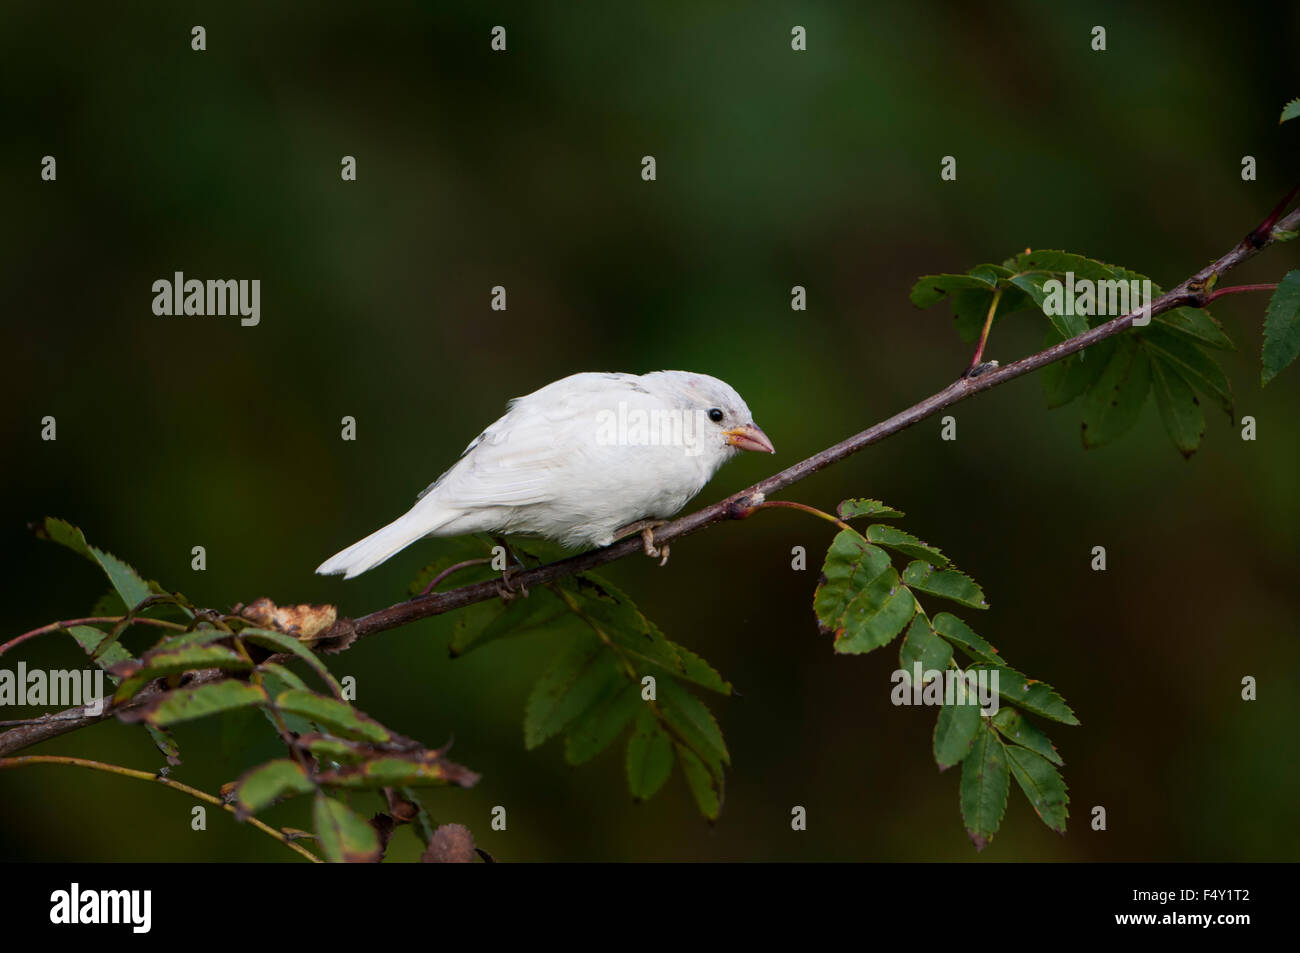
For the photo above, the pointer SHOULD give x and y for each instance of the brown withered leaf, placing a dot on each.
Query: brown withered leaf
(450, 844)
(301, 621)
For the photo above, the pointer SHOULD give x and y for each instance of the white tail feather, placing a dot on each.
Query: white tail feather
(383, 543)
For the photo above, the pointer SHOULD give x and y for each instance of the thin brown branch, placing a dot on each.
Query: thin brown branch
(1189, 293)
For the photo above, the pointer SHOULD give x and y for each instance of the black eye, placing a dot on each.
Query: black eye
(715, 415)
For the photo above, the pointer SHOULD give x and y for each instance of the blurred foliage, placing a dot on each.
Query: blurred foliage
(774, 169)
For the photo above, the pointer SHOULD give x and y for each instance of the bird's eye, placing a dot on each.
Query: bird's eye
(715, 415)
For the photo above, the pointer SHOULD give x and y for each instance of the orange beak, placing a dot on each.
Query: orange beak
(749, 437)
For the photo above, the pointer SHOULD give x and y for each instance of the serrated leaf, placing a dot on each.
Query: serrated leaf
(1018, 729)
(1180, 411)
(705, 785)
(415, 769)
(339, 716)
(1290, 111)
(954, 734)
(692, 721)
(852, 509)
(280, 642)
(599, 726)
(931, 289)
(126, 581)
(1059, 262)
(165, 743)
(582, 676)
(1066, 379)
(851, 562)
(985, 785)
(922, 644)
(267, 783)
(1064, 321)
(1113, 405)
(1042, 784)
(875, 615)
(1029, 694)
(1197, 324)
(944, 583)
(906, 543)
(959, 633)
(649, 756)
(344, 835)
(1282, 327)
(90, 638)
(604, 604)
(540, 612)
(1190, 361)
(186, 704)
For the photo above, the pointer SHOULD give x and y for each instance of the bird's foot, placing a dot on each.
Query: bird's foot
(507, 589)
(646, 528)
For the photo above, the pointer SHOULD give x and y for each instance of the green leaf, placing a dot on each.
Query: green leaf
(1114, 404)
(960, 634)
(344, 835)
(1059, 262)
(586, 674)
(267, 783)
(1180, 411)
(922, 645)
(946, 584)
(691, 719)
(1066, 379)
(1282, 327)
(1066, 323)
(1197, 324)
(705, 785)
(599, 726)
(877, 614)
(1190, 361)
(905, 543)
(985, 785)
(954, 734)
(851, 563)
(1290, 111)
(1029, 694)
(186, 704)
(609, 608)
(537, 613)
(126, 581)
(1018, 729)
(280, 642)
(851, 509)
(89, 638)
(339, 716)
(394, 770)
(168, 659)
(649, 756)
(165, 743)
(1042, 784)
(931, 289)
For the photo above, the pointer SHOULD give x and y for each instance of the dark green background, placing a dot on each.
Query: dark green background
(774, 168)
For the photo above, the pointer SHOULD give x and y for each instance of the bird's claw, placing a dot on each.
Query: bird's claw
(651, 550)
(506, 588)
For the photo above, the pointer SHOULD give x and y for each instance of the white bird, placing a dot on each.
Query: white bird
(582, 461)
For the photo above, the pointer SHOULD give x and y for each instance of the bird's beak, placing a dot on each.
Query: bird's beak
(749, 437)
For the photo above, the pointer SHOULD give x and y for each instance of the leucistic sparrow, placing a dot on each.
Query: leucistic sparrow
(576, 462)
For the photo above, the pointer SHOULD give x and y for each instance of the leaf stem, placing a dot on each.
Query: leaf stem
(1237, 289)
(984, 334)
(57, 626)
(282, 837)
(791, 505)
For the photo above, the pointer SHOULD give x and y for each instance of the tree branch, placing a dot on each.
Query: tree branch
(1189, 293)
